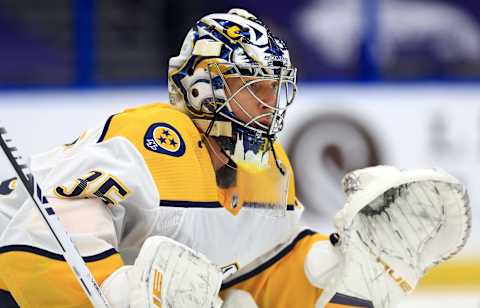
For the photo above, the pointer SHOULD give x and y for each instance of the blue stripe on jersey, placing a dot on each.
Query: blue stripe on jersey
(343, 299)
(200, 204)
(7, 300)
(55, 256)
(188, 204)
(105, 128)
(5, 186)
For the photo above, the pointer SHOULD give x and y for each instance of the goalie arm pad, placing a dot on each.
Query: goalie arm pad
(165, 274)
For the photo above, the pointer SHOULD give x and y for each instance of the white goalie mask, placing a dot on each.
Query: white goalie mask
(225, 61)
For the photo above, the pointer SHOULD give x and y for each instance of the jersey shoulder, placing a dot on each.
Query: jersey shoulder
(147, 121)
(171, 146)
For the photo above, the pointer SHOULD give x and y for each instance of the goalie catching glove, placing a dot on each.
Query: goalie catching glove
(395, 226)
(165, 274)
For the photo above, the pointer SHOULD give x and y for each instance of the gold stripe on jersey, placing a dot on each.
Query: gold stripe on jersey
(36, 280)
(187, 177)
(281, 281)
(3, 286)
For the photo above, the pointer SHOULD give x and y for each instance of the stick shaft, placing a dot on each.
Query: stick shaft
(66, 245)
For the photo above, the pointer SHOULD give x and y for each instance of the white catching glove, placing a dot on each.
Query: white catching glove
(165, 274)
(395, 226)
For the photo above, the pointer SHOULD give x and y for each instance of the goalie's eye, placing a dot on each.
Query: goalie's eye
(264, 85)
(274, 85)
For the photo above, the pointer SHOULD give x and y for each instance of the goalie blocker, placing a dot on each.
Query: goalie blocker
(165, 274)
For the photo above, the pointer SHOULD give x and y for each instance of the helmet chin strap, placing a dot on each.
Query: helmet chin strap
(277, 162)
(214, 127)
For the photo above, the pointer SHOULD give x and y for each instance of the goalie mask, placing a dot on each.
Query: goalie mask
(235, 80)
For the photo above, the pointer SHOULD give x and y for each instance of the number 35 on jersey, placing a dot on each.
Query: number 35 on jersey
(95, 184)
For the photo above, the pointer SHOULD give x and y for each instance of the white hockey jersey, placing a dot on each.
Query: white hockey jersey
(146, 172)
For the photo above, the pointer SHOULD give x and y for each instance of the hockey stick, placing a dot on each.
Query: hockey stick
(66, 245)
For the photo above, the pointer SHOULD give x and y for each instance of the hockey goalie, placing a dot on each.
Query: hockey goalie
(193, 204)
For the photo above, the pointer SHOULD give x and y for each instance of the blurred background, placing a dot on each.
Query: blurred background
(380, 82)
(84, 43)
